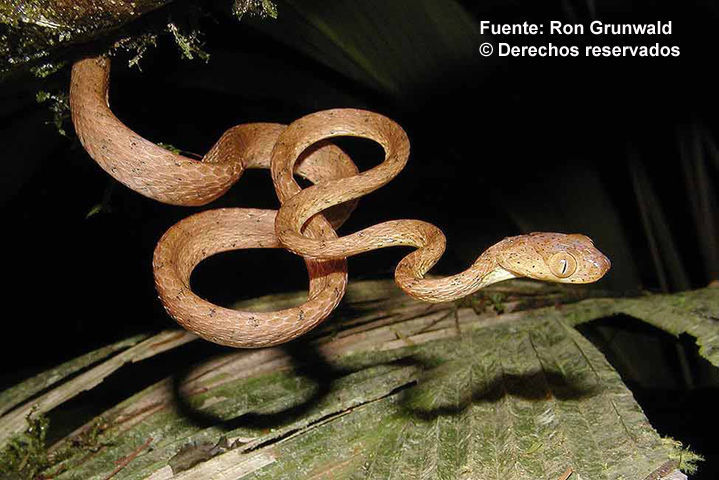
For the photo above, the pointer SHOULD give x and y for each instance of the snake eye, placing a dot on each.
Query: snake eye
(562, 264)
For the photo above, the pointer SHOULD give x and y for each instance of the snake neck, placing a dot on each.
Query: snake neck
(488, 264)
(483, 272)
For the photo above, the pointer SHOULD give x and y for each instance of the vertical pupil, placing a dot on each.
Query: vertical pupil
(563, 262)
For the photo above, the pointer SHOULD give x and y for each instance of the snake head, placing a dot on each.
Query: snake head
(553, 257)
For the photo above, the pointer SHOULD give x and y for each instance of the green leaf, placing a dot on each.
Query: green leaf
(394, 388)
(393, 47)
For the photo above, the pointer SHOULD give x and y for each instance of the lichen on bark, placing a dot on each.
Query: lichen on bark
(39, 33)
(33, 30)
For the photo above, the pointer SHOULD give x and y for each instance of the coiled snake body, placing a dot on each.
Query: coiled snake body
(306, 221)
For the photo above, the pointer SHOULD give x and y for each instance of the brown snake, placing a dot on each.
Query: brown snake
(298, 226)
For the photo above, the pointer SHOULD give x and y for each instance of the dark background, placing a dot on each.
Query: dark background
(621, 149)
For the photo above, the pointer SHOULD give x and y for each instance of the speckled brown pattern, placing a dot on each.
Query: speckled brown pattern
(145, 167)
(301, 148)
(530, 255)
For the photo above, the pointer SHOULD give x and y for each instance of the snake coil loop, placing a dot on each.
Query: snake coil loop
(306, 221)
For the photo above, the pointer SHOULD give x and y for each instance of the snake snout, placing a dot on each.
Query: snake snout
(604, 264)
(595, 266)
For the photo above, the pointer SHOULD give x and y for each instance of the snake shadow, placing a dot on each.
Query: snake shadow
(307, 362)
(536, 385)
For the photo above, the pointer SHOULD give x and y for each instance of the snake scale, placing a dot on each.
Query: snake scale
(306, 221)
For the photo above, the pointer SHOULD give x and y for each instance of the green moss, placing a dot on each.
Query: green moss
(497, 301)
(47, 69)
(189, 44)
(59, 106)
(25, 456)
(135, 47)
(686, 460)
(261, 8)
